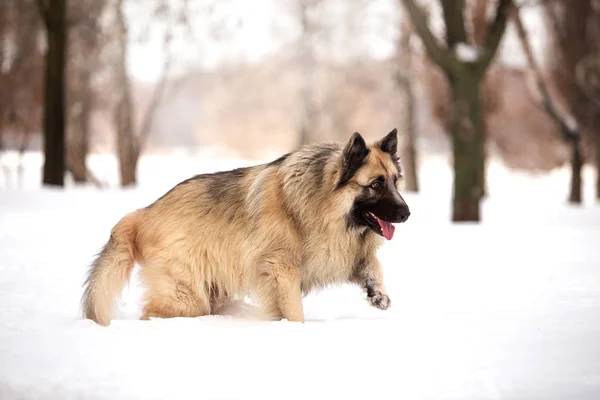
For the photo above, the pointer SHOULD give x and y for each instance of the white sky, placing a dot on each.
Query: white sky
(266, 26)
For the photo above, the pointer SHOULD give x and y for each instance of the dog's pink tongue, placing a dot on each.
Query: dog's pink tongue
(387, 229)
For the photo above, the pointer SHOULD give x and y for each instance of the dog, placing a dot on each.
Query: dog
(312, 218)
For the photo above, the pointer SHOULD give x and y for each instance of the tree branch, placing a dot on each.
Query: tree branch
(44, 12)
(570, 130)
(556, 25)
(587, 75)
(495, 33)
(478, 20)
(157, 96)
(441, 56)
(536, 3)
(454, 21)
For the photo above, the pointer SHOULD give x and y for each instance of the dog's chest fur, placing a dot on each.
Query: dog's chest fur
(333, 260)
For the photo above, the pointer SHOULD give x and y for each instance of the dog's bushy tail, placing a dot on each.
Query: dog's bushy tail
(110, 272)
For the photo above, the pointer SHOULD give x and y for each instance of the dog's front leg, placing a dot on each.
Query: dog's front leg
(279, 292)
(368, 274)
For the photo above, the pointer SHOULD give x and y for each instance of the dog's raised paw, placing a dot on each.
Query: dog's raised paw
(380, 300)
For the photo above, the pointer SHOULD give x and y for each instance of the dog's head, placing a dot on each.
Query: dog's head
(372, 174)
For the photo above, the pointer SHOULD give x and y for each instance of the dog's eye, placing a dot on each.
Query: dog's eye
(375, 185)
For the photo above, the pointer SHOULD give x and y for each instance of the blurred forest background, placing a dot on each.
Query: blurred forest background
(471, 79)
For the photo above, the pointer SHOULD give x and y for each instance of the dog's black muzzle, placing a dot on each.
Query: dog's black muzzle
(392, 207)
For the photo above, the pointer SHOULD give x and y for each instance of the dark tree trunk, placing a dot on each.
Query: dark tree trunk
(479, 35)
(597, 137)
(54, 94)
(468, 146)
(465, 77)
(576, 167)
(406, 112)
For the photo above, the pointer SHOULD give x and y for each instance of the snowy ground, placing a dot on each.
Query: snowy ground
(516, 316)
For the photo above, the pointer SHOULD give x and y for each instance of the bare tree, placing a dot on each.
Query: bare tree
(568, 125)
(406, 105)
(328, 54)
(307, 64)
(465, 67)
(477, 26)
(127, 146)
(20, 76)
(131, 141)
(54, 14)
(574, 33)
(83, 62)
(588, 78)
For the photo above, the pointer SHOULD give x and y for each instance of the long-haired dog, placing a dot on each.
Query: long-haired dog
(275, 231)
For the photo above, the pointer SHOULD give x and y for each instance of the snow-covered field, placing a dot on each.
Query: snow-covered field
(509, 309)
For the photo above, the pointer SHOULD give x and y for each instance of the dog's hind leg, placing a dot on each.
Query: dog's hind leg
(170, 297)
(180, 303)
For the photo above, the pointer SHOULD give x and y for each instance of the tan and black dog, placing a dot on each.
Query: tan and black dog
(276, 231)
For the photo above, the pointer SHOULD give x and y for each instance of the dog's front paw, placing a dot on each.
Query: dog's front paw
(380, 300)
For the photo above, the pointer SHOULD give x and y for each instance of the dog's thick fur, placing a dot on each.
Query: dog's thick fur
(273, 231)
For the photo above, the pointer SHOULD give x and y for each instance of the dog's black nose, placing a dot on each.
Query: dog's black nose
(404, 216)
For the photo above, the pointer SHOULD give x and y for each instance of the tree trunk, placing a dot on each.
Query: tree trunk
(78, 122)
(597, 137)
(468, 146)
(406, 112)
(307, 67)
(54, 94)
(25, 136)
(83, 59)
(478, 37)
(127, 148)
(576, 167)
(571, 132)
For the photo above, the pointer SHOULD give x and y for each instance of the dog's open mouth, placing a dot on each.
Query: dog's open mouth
(386, 229)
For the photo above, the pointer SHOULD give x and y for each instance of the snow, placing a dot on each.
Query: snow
(509, 309)
(571, 123)
(466, 53)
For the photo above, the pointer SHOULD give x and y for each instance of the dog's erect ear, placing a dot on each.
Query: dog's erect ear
(353, 157)
(389, 143)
